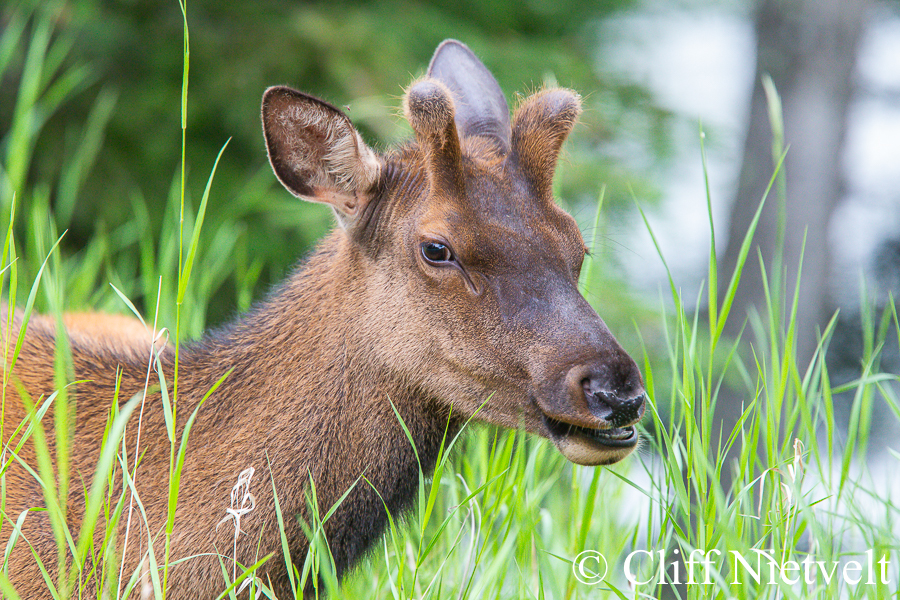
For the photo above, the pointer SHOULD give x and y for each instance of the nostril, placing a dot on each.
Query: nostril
(598, 401)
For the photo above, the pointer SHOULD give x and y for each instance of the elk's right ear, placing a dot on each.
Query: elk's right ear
(316, 153)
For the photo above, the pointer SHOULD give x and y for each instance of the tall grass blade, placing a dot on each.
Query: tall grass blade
(105, 463)
(195, 237)
(731, 290)
(588, 268)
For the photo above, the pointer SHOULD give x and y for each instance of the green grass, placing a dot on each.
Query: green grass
(504, 515)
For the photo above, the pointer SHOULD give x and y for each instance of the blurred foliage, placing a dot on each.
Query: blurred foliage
(100, 128)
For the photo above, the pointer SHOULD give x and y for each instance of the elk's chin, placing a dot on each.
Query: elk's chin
(592, 447)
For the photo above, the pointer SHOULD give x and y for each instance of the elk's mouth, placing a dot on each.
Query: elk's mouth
(591, 446)
(616, 437)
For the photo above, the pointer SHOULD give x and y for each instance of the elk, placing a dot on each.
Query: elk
(448, 289)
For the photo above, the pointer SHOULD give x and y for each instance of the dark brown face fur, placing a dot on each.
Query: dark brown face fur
(471, 268)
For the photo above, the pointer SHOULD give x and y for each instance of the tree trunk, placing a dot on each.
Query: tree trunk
(808, 48)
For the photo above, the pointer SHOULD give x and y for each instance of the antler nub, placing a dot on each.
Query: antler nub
(540, 126)
(429, 108)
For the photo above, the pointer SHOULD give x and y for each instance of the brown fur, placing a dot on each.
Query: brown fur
(367, 321)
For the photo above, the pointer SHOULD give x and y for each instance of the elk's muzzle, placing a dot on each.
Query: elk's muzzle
(603, 399)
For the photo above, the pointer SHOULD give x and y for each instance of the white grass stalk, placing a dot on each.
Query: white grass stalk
(153, 356)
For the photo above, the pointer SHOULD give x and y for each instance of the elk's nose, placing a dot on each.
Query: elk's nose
(618, 408)
(613, 393)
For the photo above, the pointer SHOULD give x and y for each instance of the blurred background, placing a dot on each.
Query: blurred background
(90, 139)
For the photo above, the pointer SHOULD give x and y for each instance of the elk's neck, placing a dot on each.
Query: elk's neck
(309, 399)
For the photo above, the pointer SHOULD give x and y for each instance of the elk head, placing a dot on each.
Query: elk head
(464, 270)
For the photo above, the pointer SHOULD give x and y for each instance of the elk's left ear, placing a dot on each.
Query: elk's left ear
(317, 154)
(480, 106)
(540, 126)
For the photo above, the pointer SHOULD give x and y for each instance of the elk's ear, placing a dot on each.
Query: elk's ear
(316, 153)
(540, 126)
(481, 107)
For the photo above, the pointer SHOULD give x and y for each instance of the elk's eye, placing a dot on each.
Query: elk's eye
(436, 253)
